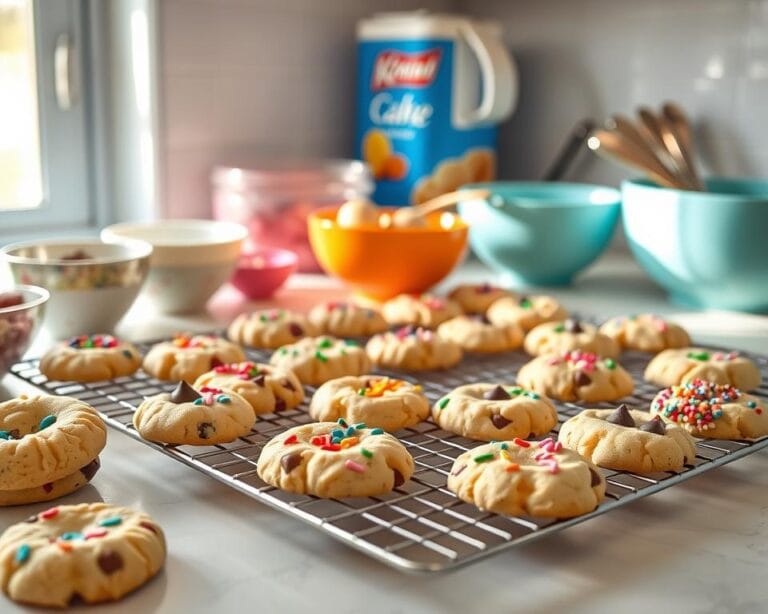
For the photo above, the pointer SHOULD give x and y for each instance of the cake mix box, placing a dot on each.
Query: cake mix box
(431, 91)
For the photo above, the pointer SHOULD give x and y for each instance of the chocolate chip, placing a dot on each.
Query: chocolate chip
(259, 381)
(280, 405)
(288, 385)
(459, 470)
(110, 562)
(184, 393)
(290, 461)
(499, 421)
(496, 394)
(595, 477)
(216, 362)
(480, 317)
(399, 479)
(295, 329)
(76, 599)
(48, 487)
(621, 416)
(524, 301)
(15, 434)
(572, 326)
(90, 469)
(655, 425)
(581, 379)
(205, 430)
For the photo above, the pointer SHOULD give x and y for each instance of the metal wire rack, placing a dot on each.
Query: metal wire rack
(420, 526)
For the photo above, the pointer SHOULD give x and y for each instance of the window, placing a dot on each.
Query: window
(44, 179)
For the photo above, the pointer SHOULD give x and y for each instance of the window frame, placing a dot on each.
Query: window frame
(65, 148)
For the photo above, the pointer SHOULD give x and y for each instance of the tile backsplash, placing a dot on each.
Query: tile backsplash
(277, 78)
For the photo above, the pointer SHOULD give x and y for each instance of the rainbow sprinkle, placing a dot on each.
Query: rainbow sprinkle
(378, 387)
(586, 361)
(82, 342)
(695, 405)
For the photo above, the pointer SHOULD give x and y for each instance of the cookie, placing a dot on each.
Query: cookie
(492, 412)
(267, 388)
(425, 310)
(678, 366)
(645, 333)
(51, 490)
(628, 440)
(384, 402)
(556, 337)
(576, 376)
(475, 333)
(713, 411)
(346, 319)
(335, 460)
(527, 478)
(477, 298)
(90, 358)
(93, 551)
(190, 417)
(186, 357)
(413, 349)
(270, 328)
(526, 311)
(315, 360)
(45, 438)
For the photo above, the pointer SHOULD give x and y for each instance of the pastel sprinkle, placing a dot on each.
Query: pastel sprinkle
(49, 513)
(360, 426)
(515, 391)
(505, 455)
(291, 439)
(341, 422)
(321, 357)
(325, 344)
(348, 442)
(559, 328)
(443, 402)
(95, 533)
(532, 395)
(610, 363)
(512, 468)
(695, 405)
(350, 432)
(223, 398)
(353, 466)
(377, 431)
(484, 458)
(751, 404)
(5, 435)
(698, 355)
(46, 422)
(331, 447)
(504, 445)
(112, 521)
(521, 442)
(64, 546)
(337, 433)
(366, 453)
(71, 535)
(22, 553)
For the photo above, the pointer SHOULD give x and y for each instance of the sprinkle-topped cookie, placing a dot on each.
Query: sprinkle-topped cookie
(347, 319)
(425, 310)
(89, 358)
(93, 341)
(270, 328)
(413, 348)
(568, 335)
(681, 365)
(315, 360)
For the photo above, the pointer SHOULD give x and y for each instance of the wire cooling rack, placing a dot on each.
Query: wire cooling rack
(420, 526)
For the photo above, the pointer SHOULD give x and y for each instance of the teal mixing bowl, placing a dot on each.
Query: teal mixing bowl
(540, 233)
(707, 249)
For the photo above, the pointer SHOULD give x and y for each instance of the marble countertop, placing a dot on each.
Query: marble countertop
(701, 546)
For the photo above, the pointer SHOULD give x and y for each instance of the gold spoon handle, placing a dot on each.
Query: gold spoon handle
(450, 198)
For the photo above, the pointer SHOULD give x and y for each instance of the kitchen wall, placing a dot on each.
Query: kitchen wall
(278, 78)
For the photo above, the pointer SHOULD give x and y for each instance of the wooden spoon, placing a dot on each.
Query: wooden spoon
(617, 147)
(680, 127)
(414, 216)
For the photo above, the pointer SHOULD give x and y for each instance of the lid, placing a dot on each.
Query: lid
(296, 175)
(419, 24)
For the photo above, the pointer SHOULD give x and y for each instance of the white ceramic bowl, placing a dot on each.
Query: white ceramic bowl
(92, 283)
(191, 259)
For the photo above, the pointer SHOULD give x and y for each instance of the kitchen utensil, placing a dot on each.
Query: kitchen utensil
(382, 262)
(619, 148)
(565, 157)
(21, 311)
(540, 233)
(272, 198)
(191, 259)
(261, 272)
(707, 249)
(680, 127)
(92, 283)
(416, 216)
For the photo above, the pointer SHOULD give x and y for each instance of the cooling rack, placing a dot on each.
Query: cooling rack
(420, 526)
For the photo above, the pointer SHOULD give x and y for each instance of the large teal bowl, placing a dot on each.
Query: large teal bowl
(707, 249)
(541, 233)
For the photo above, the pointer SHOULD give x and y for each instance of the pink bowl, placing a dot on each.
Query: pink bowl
(262, 271)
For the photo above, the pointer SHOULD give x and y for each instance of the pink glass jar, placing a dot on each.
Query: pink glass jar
(273, 199)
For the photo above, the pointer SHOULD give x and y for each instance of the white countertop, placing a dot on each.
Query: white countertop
(701, 546)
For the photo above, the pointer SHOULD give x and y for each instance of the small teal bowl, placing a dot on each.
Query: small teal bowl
(707, 249)
(540, 233)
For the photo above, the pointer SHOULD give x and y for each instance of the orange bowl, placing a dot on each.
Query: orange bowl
(380, 263)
